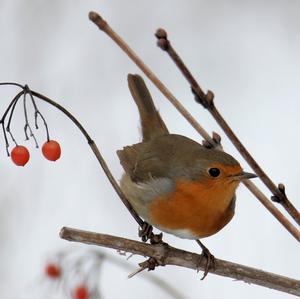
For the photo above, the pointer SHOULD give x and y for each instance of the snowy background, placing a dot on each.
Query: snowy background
(247, 52)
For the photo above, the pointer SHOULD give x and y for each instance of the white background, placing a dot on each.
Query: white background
(247, 52)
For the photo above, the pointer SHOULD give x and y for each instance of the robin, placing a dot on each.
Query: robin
(174, 183)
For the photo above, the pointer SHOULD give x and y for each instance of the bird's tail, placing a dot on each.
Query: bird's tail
(151, 122)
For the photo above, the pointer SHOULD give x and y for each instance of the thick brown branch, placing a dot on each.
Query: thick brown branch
(202, 98)
(167, 255)
(103, 25)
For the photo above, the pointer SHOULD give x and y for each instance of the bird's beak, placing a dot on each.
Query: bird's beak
(244, 176)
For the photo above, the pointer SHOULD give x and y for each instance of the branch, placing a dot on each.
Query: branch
(103, 25)
(206, 100)
(167, 255)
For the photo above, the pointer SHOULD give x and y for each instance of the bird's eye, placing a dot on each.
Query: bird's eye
(214, 172)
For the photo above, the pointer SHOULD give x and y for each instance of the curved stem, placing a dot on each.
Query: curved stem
(11, 107)
(5, 138)
(12, 83)
(27, 125)
(97, 153)
(38, 113)
(11, 113)
(12, 103)
(9, 120)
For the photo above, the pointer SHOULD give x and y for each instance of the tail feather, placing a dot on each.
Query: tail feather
(151, 122)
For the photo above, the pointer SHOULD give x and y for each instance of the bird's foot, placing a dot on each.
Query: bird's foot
(157, 239)
(210, 259)
(146, 233)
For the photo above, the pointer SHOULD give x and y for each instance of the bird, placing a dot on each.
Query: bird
(174, 183)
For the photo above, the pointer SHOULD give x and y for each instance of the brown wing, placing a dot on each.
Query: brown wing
(168, 156)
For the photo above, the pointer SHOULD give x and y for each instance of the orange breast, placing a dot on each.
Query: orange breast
(203, 208)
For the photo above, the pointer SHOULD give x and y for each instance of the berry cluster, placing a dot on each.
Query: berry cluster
(54, 272)
(50, 149)
(75, 273)
(20, 154)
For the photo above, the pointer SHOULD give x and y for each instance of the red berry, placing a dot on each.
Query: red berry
(53, 271)
(81, 292)
(20, 155)
(51, 150)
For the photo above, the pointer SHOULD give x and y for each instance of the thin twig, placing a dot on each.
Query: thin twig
(103, 25)
(10, 119)
(202, 98)
(95, 18)
(11, 108)
(5, 138)
(27, 125)
(12, 84)
(167, 255)
(38, 113)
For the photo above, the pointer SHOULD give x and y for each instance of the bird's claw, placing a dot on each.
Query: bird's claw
(210, 260)
(145, 232)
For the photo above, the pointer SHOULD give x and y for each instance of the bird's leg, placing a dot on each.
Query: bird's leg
(210, 259)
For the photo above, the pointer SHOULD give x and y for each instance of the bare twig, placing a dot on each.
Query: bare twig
(103, 25)
(27, 125)
(207, 102)
(38, 113)
(11, 108)
(167, 255)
